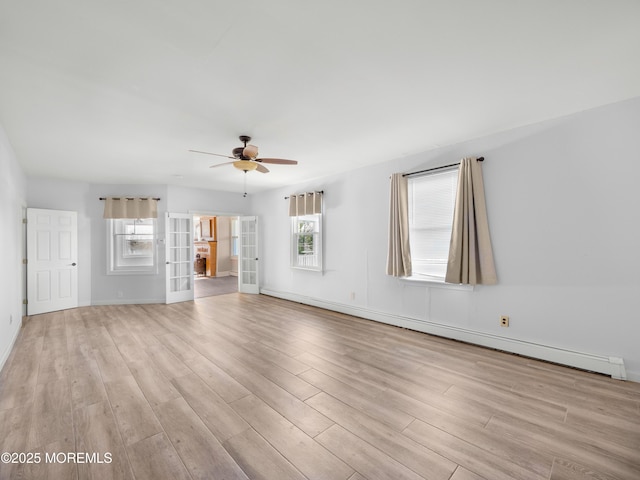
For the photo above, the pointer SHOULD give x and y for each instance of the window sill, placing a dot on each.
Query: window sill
(432, 282)
(308, 269)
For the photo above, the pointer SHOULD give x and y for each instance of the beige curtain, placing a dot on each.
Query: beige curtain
(309, 203)
(121, 207)
(470, 254)
(399, 253)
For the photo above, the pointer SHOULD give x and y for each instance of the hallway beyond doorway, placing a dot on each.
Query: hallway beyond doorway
(210, 286)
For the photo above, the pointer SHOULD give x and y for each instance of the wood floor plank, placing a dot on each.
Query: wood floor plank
(595, 451)
(178, 347)
(259, 459)
(111, 364)
(87, 387)
(365, 403)
(215, 413)
(567, 470)
(415, 456)
(54, 360)
(218, 380)
(154, 458)
(52, 421)
(302, 451)
(468, 455)
(462, 473)
(134, 416)
(96, 432)
(15, 424)
(244, 360)
(277, 358)
(19, 382)
(293, 409)
(203, 455)
(363, 457)
(167, 362)
(155, 386)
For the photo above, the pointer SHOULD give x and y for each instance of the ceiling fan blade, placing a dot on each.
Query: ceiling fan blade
(220, 164)
(262, 169)
(277, 161)
(209, 153)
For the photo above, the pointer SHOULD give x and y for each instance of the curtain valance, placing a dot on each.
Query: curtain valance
(130, 207)
(305, 204)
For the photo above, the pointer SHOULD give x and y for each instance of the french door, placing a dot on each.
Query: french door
(52, 255)
(179, 257)
(248, 272)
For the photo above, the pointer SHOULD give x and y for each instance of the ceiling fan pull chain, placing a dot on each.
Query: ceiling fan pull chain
(245, 184)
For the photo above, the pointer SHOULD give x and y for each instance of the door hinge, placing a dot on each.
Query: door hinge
(25, 261)
(25, 302)
(24, 220)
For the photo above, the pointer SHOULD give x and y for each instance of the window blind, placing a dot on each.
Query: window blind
(431, 205)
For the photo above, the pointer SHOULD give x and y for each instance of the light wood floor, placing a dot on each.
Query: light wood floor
(239, 386)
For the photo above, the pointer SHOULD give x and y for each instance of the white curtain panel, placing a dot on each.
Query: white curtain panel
(470, 253)
(137, 207)
(399, 252)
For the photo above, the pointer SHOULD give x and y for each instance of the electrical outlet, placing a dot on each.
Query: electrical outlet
(120, 294)
(504, 321)
(352, 296)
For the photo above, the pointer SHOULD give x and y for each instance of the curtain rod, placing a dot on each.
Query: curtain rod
(480, 159)
(129, 198)
(321, 191)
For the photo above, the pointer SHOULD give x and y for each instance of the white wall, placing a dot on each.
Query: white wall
(197, 200)
(12, 203)
(564, 225)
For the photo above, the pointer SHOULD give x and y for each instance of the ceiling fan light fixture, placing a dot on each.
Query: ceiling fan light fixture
(245, 165)
(250, 151)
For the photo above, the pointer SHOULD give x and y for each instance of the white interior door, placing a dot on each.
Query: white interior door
(52, 256)
(179, 257)
(248, 278)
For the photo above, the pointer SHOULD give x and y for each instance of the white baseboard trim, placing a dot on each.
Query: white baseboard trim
(613, 366)
(7, 351)
(223, 274)
(127, 301)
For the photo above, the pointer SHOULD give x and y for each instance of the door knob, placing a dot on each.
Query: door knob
(73, 264)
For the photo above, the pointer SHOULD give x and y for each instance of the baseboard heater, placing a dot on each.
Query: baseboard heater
(613, 366)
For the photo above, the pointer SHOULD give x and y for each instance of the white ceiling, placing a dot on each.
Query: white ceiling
(117, 91)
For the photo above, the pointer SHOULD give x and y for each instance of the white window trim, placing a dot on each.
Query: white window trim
(133, 270)
(294, 245)
(436, 283)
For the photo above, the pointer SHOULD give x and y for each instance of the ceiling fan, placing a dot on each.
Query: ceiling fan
(245, 158)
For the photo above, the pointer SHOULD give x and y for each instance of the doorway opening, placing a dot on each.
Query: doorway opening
(215, 263)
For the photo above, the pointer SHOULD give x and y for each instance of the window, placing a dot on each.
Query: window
(306, 242)
(131, 246)
(431, 204)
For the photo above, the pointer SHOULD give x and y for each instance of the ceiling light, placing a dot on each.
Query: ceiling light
(246, 165)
